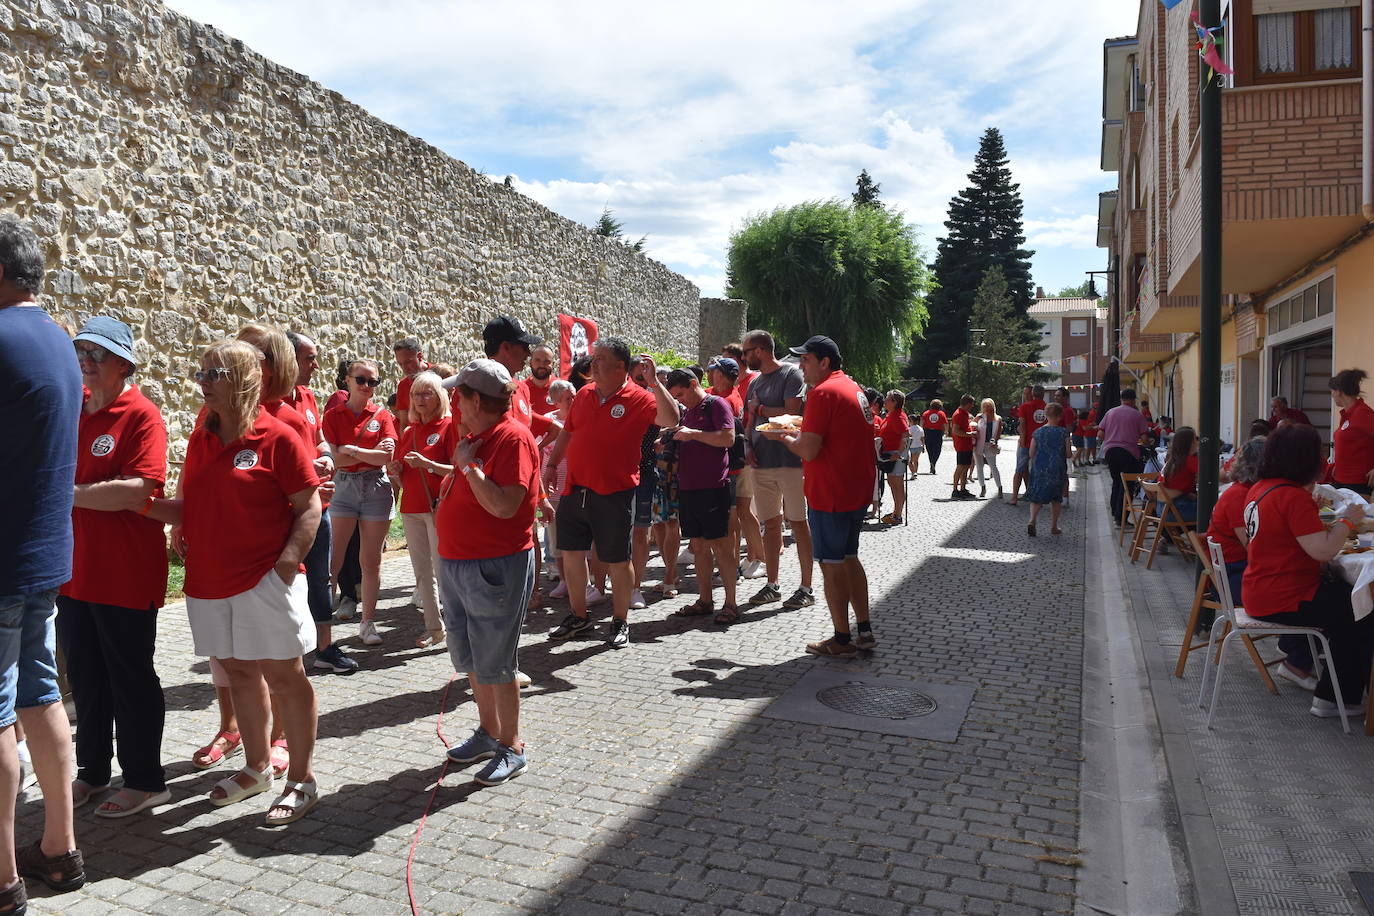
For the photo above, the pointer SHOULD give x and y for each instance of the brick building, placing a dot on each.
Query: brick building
(1298, 261)
(1068, 327)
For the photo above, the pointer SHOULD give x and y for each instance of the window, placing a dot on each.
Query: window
(1307, 305)
(1078, 327)
(1289, 46)
(1078, 365)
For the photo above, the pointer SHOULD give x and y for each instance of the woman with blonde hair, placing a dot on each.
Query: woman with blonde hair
(247, 512)
(363, 436)
(426, 448)
(985, 447)
(894, 431)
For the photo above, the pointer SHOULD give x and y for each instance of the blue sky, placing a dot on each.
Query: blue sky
(687, 120)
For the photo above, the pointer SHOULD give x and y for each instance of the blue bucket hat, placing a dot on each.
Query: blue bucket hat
(112, 334)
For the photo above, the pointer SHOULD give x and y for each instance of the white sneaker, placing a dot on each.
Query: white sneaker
(753, 569)
(637, 600)
(368, 631)
(522, 679)
(551, 571)
(1291, 675)
(347, 608)
(594, 595)
(560, 590)
(1325, 709)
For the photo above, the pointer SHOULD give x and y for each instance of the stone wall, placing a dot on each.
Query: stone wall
(722, 322)
(187, 185)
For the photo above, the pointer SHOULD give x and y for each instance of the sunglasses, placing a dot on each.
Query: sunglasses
(217, 374)
(96, 355)
(368, 382)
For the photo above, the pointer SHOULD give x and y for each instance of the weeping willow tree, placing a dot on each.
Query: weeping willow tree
(853, 273)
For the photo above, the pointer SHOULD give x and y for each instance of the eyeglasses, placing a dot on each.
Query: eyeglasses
(368, 382)
(216, 374)
(96, 355)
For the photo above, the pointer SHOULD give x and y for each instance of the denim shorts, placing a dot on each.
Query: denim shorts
(1022, 459)
(834, 535)
(484, 607)
(644, 501)
(1076, 441)
(364, 495)
(28, 653)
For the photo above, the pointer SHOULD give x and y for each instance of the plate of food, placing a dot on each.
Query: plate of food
(781, 425)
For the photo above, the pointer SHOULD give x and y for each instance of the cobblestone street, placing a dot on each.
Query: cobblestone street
(656, 784)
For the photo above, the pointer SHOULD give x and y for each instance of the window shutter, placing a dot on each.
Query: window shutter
(1260, 7)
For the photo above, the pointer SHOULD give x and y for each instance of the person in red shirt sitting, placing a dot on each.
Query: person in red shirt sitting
(247, 512)
(961, 433)
(1283, 581)
(1179, 479)
(1279, 411)
(934, 422)
(1353, 439)
(835, 446)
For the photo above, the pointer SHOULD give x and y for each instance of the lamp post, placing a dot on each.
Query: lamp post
(969, 331)
(1092, 341)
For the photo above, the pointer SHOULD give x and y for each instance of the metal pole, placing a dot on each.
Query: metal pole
(968, 351)
(1209, 344)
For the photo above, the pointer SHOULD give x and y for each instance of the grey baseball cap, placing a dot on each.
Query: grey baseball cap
(486, 376)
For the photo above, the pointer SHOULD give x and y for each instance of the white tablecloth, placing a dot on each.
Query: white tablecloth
(1358, 570)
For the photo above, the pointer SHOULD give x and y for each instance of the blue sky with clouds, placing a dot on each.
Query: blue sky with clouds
(685, 120)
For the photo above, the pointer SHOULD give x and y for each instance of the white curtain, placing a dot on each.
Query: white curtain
(1276, 52)
(1335, 39)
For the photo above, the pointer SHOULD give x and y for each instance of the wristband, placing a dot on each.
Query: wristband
(146, 506)
(1347, 523)
(471, 466)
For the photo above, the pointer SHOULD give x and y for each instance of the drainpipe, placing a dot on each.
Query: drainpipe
(1367, 107)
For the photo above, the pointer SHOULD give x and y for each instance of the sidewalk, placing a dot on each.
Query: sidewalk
(1275, 804)
(657, 783)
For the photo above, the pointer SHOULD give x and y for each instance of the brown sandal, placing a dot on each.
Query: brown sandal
(697, 608)
(728, 614)
(14, 899)
(66, 872)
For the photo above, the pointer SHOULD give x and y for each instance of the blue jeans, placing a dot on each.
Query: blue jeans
(1187, 509)
(317, 571)
(28, 653)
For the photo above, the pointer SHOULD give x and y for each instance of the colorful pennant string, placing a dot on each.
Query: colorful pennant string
(1209, 43)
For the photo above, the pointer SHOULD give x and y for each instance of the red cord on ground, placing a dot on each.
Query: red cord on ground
(438, 730)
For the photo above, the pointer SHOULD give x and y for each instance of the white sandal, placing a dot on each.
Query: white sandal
(309, 793)
(234, 792)
(135, 802)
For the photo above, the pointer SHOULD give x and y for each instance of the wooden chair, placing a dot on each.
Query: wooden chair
(1166, 522)
(1200, 601)
(1131, 506)
(1179, 529)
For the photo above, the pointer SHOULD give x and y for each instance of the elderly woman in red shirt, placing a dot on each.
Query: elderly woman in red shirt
(1283, 580)
(894, 431)
(107, 613)
(1353, 439)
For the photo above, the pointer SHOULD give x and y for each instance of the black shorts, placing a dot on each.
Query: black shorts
(586, 517)
(888, 467)
(963, 459)
(705, 513)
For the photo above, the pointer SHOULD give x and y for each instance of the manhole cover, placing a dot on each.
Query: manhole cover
(876, 701)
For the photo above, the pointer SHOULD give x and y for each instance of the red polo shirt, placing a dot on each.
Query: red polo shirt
(733, 396)
(1228, 515)
(934, 419)
(1353, 444)
(509, 457)
(236, 514)
(298, 424)
(538, 397)
(1280, 575)
(959, 423)
(436, 440)
(1032, 416)
(603, 453)
(1184, 479)
(537, 423)
(303, 401)
(742, 384)
(840, 478)
(120, 558)
(895, 427)
(368, 430)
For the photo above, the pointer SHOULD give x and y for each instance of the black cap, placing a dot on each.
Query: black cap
(819, 346)
(503, 328)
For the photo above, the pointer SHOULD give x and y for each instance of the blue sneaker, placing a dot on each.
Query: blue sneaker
(479, 747)
(506, 765)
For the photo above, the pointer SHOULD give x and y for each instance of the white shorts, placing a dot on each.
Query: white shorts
(269, 620)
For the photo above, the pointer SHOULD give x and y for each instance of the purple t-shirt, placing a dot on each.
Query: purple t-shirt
(1122, 427)
(702, 466)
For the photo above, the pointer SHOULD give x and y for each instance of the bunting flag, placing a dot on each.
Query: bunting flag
(575, 338)
(1209, 43)
(1170, 4)
(1045, 364)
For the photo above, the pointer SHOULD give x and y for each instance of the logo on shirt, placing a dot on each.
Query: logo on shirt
(103, 445)
(863, 401)
(1251, 516)
(524, 408)
(433, 439)
(1345, 425)
(246, 459)
(1040, 417)
(310, 415)
(373, 426)
(618, 411)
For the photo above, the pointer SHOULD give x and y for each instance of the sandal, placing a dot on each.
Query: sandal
(666, 590)
(234, 792)
(14, 899)
(431, 638)
(697, 608)
(127, 802)
(728, 614)
(225, 744)
(280, 756)
(536, 600)
(83, 792)
(66, 872)
(309, 794)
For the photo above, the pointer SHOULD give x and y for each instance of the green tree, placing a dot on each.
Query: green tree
(1075, 292)
(823, 267)
(613, 228)
(866, 191)
(984, 230)
(1000, 338)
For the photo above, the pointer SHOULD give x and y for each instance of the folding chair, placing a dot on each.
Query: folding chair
(1242, 624)
(1200, 601)
(1166, 524)
(1131, 506)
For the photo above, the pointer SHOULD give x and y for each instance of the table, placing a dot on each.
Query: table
(1358, 570)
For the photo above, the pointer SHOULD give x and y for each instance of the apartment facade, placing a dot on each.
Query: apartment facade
(1297, 245)
(1076, 339)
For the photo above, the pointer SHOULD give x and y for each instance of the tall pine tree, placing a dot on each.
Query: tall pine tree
(866, 191)
(984, 231)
